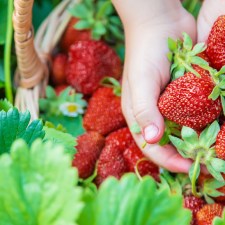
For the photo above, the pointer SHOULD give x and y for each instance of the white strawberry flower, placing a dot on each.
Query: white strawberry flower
(71, 109)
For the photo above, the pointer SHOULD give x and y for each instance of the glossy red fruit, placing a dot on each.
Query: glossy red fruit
(207, 213)
(186, 101)
(135, 158)
(220, 143)
(215, 43)
(194, 204)
(104, 113)
(88, 148)
(72, 35)
(58, 75)
(89, 62)
(111, 161)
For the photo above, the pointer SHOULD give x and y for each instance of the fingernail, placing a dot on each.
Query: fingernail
(150, 132)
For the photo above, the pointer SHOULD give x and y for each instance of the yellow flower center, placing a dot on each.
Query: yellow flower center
(72, 108)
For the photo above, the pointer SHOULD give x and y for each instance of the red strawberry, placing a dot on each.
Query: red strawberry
(72, 35)
(133, 155)
(215, 42)
(207, 213)
(58, 75)
(194, 204)
(220, 143)
(60, 88)
(89, 62)
(111, 161)
(89, 148)
(186, 101)
(104, 113)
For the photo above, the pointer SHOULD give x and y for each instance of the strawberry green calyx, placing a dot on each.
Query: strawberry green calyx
(100, 17)
(200, 149)
(219, 89)
(183, 55)
(209, 189)
(171, 128)
(112, 83)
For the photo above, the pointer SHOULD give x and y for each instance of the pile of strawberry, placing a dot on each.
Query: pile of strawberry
(107, 147)
(195, 100)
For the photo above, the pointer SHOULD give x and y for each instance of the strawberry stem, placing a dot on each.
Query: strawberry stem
(194, 176)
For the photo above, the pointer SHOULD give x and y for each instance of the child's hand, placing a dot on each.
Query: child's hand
(210, 11)
(148, 24)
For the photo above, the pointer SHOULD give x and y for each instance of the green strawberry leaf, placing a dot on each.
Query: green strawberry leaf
(198, 61)
(172, 44)
(73, 125)
(79, 11)
(209, 134)
(218, 164)
(223, 103)
(218, 220)
(215, 93)
(187, 41)
(15, 125)
(5, 105)
(179, 144)
(59, 137)
(210, 188)
(217, 175)
(82, 24)
(126, 204)
(198, 48)
(189, 135)
(222, 71)
(3, 20)
(38, 186)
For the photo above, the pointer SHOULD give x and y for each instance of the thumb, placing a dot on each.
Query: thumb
(146, 81)
(144, 100)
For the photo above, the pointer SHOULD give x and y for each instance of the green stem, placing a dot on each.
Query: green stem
(7, 53)
(194, 177)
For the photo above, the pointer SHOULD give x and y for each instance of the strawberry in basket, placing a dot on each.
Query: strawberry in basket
(92, 21)
(89, 62)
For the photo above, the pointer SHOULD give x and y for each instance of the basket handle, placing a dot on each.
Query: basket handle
(31, 70)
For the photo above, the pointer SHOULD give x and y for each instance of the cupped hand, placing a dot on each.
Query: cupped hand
(146, 71)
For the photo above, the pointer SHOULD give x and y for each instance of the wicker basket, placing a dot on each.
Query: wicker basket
(34, 55)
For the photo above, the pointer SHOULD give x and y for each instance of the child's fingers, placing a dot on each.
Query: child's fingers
(210, 11)
(166, 157)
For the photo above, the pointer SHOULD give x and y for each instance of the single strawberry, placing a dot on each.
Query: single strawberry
(186, 101)
(216, 48)
(220, 143)
(111, 161)
(88, 148)
(60, 88)
(72, 35)
(207, 213)
(194, 204)
(135, 159)
(58, 76)
(89, 62)
(104, 113)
